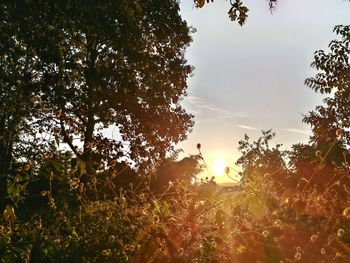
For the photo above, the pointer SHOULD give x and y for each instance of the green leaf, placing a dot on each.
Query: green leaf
(56, 164)
(12, 190)
(74, 233)
(81, 166)
(9, 214)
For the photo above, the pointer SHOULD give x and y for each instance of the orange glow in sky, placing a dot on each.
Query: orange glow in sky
(251, 78)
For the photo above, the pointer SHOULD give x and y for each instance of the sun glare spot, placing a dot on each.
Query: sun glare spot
(218, 167)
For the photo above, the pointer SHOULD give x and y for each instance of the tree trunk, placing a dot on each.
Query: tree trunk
(5, 163)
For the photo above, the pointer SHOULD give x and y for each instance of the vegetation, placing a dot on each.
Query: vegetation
(238, 10)
(83, 67)
(70, 69)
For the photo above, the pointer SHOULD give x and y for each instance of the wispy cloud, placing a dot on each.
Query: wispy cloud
(247, 127)
(203, 105)
(295, 130)
(200, 105)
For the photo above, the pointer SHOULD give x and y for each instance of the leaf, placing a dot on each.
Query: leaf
(200, 3)
(74, 233)
(12, 190)
(238, 12)
(9, 214)
(81, 166)
(56, 165)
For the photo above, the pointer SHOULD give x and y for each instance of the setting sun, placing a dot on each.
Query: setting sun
(218, 167)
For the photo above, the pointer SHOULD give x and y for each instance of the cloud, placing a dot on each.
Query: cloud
(295, 130)
(247, 127)
(203, 105)
(199, 105)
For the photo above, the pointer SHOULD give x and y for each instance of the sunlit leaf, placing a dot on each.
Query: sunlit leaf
(81, 164)
(13, 190)
(9, 213)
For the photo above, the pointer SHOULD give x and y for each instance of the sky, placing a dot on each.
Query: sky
(251, 78)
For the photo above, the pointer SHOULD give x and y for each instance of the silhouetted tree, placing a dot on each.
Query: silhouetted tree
(259, 159)
(333, 78)
(107, 63)
(330, 123)
(170, 171)
(20, 127)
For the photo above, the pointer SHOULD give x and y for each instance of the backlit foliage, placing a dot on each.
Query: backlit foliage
(238, 12)
(63, 77)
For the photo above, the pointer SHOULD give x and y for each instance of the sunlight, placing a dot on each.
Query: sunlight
(218, 167)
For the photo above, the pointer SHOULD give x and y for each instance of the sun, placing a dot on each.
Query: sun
(218, 167)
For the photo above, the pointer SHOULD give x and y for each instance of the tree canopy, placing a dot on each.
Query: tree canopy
(333, 77)
(102, 64)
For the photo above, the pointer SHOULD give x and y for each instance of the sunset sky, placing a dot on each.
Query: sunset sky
(251, 78)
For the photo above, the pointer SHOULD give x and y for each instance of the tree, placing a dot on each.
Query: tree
(330, 123)
(169, 171)
(260, 160)
(108, 63)
(19, 125)
(329, 120)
